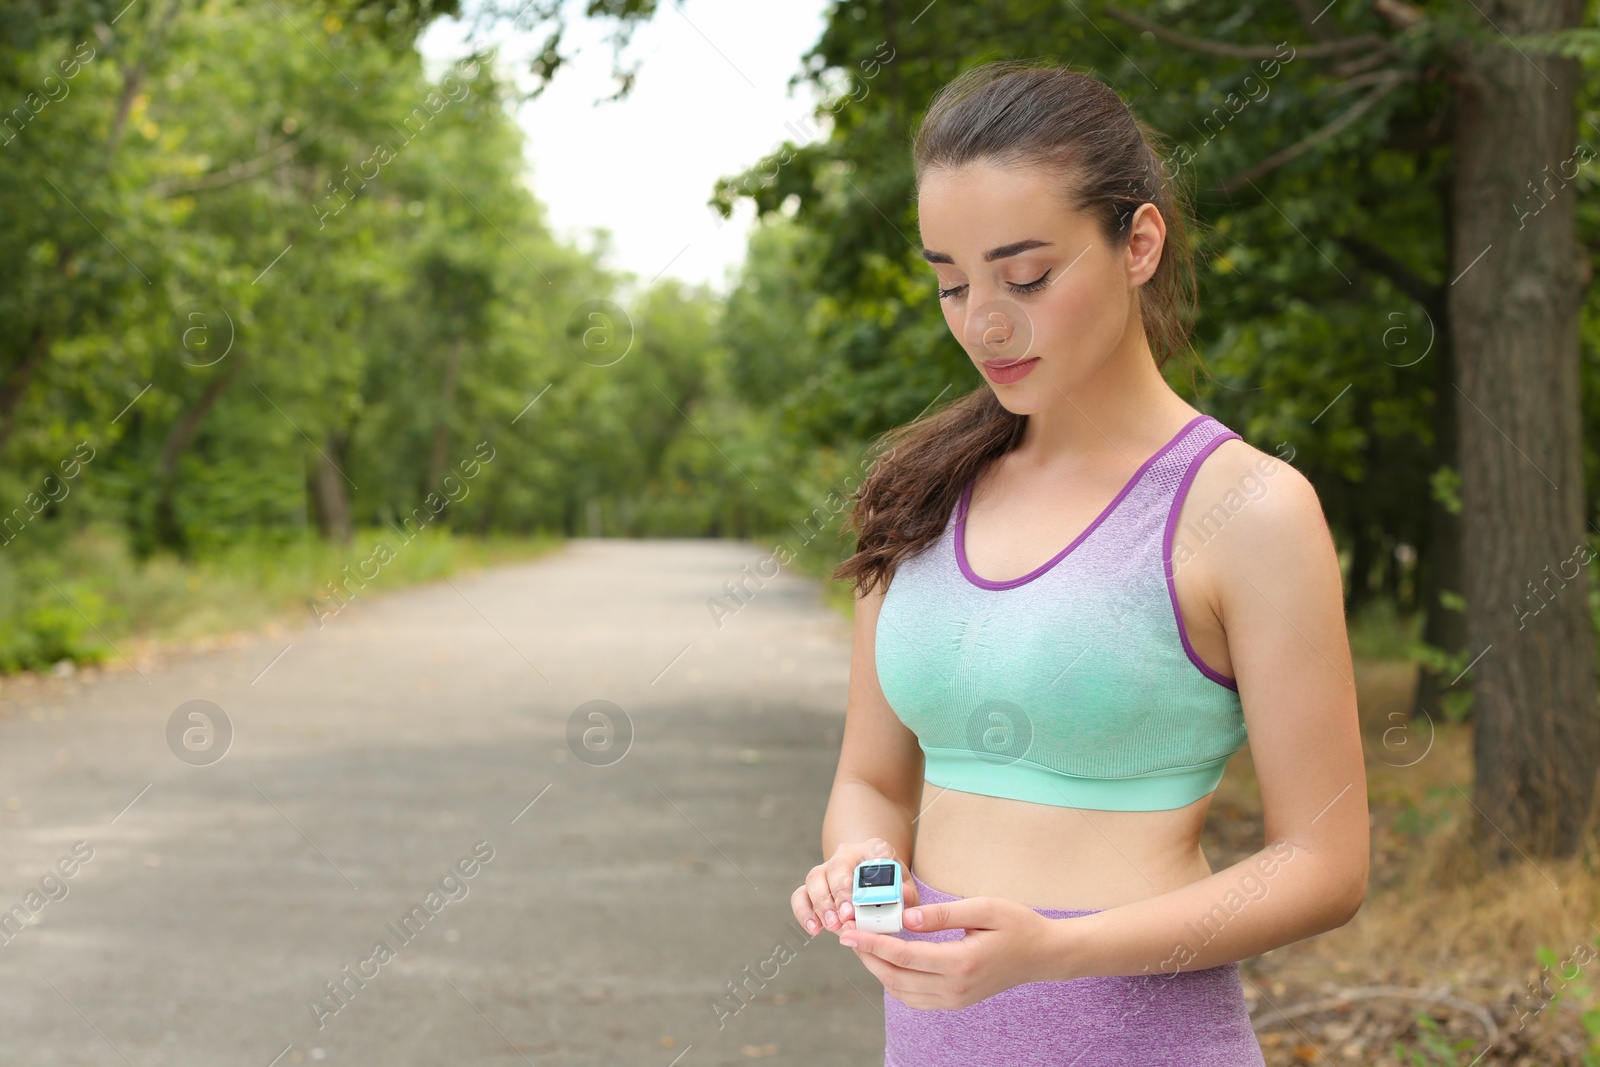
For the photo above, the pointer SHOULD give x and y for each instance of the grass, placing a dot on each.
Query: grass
(86, 598)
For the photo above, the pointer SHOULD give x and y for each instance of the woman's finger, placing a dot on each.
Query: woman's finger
(821, 895)
(800, 902)
(840, 871)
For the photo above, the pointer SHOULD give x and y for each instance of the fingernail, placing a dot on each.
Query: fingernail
(914, 917)
(847, 943)
(811, 925)
(830, 918)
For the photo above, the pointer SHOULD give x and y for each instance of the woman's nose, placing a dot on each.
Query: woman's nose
(997, 326)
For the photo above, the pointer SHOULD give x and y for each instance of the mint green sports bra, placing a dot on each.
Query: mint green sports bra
(1075, 684)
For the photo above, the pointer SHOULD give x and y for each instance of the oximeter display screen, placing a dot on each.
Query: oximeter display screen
(882, 874)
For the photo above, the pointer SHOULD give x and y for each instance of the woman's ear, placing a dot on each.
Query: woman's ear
(1146, 237)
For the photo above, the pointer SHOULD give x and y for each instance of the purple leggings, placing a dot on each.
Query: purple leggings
(1190, 1019)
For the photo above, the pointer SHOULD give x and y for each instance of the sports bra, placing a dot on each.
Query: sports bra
(1075, 684)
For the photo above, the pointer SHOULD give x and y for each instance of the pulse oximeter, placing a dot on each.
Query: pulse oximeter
(876, 896)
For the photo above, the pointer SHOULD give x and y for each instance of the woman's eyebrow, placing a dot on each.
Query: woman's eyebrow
(993, 253)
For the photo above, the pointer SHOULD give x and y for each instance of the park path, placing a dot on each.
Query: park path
(401, 742)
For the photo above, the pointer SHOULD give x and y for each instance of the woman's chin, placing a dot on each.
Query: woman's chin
(1019, 398)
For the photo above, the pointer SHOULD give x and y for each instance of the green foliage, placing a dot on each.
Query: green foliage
(1444, 485)
(1580, 42)
(86, 596)
(1581, 994)
(1379, 631)
(1420, 819)
(39, 631)
(1434, 1051)
(287, 298)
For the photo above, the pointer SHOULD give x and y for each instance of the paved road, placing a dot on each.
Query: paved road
(382, 757)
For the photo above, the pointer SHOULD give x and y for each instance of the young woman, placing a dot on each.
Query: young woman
(1036, 730)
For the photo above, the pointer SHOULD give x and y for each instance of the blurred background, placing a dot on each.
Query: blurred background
(410, 407)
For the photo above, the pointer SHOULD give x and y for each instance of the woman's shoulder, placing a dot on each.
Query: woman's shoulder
(1258, 499)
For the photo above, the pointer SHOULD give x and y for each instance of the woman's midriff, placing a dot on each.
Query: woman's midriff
(1045, 856)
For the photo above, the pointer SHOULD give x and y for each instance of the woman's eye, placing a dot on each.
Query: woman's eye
(1029, 287)
(1032, 287)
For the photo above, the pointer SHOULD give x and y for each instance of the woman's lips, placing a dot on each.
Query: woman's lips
(1003, 372)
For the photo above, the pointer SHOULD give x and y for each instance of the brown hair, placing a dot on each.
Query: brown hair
(1023, 112)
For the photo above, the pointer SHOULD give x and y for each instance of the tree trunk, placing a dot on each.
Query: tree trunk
(166, 530)
(1514, 302)
(14, 385)
(1361, 553)
(1443, 627)
(330, 503)
(441, 434)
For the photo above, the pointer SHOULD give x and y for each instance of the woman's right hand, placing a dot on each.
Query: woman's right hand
(824, 901)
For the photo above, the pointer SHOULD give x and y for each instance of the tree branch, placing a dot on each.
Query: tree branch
(135, 77)
(1343, 999)
(1380, 261)
(1373, 77)
(1278, 159)
(1339, 47)
(1310, 16)
(235, 172)
(188, 423)
(1359, 64)
(1401, 15)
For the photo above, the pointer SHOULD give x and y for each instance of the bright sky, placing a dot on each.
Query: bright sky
(709, 100)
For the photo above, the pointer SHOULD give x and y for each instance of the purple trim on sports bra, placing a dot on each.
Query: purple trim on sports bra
(1012, 583)
(1166, 556)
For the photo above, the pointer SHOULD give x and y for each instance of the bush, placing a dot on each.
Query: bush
(73, 599)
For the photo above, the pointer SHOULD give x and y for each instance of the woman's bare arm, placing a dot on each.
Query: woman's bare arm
(1281, 599)
(878, 785)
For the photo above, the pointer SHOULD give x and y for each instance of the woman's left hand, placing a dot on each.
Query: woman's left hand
(1006, 944)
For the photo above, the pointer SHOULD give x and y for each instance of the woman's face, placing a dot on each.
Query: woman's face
(1032, 291)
